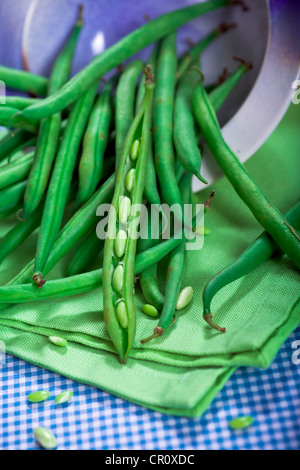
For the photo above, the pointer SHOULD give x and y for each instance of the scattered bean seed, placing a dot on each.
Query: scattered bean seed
(184, 297)
(242, 422)
(61, 342)
(202, 230)
(38, 397)
(150, 310)
(45, 438)
(122, 315)
(63, 397)
(120, 243)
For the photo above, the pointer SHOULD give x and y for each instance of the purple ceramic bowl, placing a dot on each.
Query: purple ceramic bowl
(266, 36)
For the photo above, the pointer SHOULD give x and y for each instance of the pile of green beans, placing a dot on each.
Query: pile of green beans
(133, 144)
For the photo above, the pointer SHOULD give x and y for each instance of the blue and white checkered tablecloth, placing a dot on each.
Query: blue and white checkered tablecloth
(97, 420)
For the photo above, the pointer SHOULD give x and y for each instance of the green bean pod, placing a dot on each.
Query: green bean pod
(125, 101)
(19, 102)
(175, 272)
(6, 117)
(85, 254)
(60, 180)
(187, 150)
(24, 81)
(116, 54)
(150, 289)
(254, 256)
(151, 192)
(44, 155)
(50, 128)
(261, 207)
(94, 145)
(18, 234)
(16, 171)
(185, 139)
(221, 92)
(12, 143)
(118, 271)
(148, 278)
(194, 53)
(11, 197)
(163, 121)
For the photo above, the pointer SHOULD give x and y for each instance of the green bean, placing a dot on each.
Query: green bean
(60, 180)
(261, 207)
(18, 292)
(42, 163)
(194, 53)
(254, 256)
(11, 197)
(94, 144)
(148, 278)
(50, 128)
(5, 214)
(175, 272)
(125, 100)
(16, 144)
(19, 102)
(6, 116)
(119, 52)
(21, 152)
(63, 64)
(163, 121)
(120, 217)
(152, 59)
(16, 171)
(18, 234)
(23, 81)
(76, 228)
(219, 95)
(149, 286)
(151, 192)
(184, 131)
(85, 254)
(11, 142)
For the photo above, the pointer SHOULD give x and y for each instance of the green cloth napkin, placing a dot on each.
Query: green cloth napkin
(181, 372)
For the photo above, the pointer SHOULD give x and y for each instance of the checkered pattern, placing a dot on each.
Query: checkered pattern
(97, 420)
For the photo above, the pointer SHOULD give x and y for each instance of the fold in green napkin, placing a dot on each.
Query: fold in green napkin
(181, 372)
